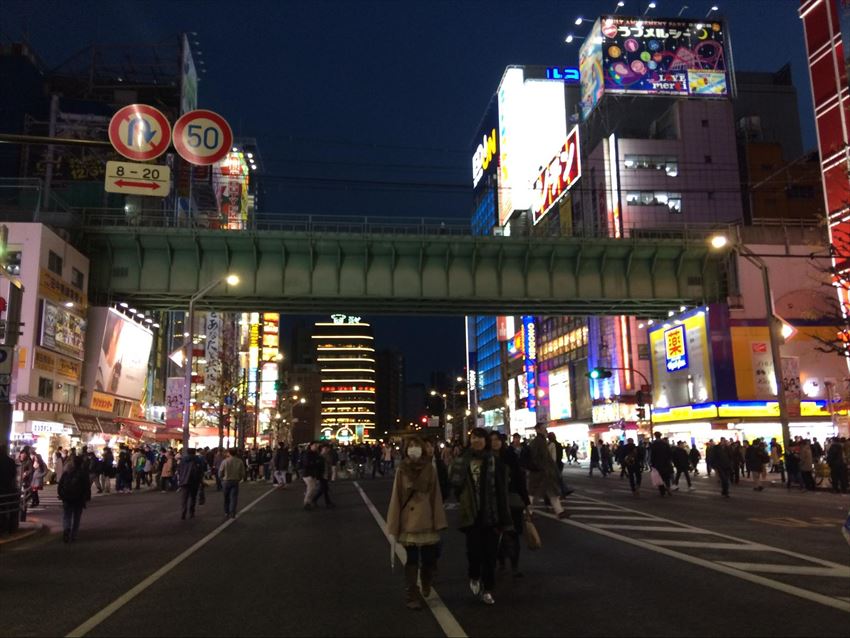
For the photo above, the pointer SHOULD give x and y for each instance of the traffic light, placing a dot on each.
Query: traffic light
(599, 373)
(641, 414)
(640, 398)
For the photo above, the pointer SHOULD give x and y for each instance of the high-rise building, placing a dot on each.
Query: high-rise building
(345, 354)
(389, 390)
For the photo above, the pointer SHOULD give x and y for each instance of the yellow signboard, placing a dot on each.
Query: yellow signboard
(102, 402)
(52, 362)
(56, 289)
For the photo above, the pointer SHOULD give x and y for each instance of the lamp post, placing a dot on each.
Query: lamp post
(718, 242)
(231, 280)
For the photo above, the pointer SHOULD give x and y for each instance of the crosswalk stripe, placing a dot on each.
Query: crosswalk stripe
(608, 517)
(651, 528)
(752, 547)
(801, 570)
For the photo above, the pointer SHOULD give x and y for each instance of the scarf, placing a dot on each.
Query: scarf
(418, 474)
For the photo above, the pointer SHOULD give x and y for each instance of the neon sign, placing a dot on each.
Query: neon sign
(676, 348)
(530, 342)
(569, 74)
(483, 155)
(563, 171)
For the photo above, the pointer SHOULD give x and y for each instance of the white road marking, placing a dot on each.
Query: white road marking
(751, 547)
(582, 508)
(608, 517)
(648, 528)
(125, 598)
(802, 570)
(724, 569)
(448, 623)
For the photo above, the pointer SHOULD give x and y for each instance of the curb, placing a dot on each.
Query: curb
(27, 530)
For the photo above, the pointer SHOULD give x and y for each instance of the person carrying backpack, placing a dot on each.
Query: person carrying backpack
(74, 491)
(189, 476)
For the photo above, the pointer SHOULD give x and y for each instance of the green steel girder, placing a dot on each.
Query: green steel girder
(158, 268)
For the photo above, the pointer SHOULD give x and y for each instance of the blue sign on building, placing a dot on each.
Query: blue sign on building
(569, 74)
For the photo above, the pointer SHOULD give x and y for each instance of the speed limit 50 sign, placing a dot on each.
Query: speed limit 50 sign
(202, 137)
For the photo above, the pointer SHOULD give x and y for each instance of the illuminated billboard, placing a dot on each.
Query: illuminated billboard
(645, 56)
(560, 397)
(558, 177)
(681, 361)
(532, 122)
(117, 355)
(230, 183)
(62, 331)
(485, 155)
(529, 331)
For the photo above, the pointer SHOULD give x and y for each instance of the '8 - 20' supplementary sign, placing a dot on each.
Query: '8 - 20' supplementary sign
(202, 137)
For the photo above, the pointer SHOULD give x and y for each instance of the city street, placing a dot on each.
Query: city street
(770, 563)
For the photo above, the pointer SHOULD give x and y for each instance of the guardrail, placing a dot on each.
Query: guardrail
(11, 506)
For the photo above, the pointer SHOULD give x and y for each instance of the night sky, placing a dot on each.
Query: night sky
(386, 92)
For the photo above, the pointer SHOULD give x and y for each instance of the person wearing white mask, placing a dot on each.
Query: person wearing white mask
(416, 517)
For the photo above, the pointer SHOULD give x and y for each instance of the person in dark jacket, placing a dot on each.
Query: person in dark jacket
(721, 463)
(312, 469)
(633, 464)
(661, 459)
(280, 462)
(518, 501)
(480, 485)
(190, 473)
(694, 458)
(594, 459)
(837, 466)
(9, 493)
(74, 491)
(682, 464)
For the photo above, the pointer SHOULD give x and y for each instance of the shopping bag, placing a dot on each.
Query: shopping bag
(655, 477)
(532, 536)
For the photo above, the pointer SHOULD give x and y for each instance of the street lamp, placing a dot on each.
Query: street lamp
(230, 280)
(774, 327)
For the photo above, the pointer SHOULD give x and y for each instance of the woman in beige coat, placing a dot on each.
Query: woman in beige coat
(416, 517)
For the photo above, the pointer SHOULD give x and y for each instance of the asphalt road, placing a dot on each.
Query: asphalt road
(769, 563)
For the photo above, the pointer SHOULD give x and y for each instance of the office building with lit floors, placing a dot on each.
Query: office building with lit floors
(345, 354)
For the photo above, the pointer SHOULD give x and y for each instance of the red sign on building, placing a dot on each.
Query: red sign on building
(557, 178)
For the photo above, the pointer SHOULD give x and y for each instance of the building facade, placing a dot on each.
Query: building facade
(345, 353)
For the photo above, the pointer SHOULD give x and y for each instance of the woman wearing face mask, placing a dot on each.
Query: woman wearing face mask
(480, 484)
(416, 517)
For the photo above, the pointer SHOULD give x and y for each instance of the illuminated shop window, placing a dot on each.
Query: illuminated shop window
(673, 201)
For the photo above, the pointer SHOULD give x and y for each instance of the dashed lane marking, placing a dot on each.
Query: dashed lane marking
(125, 598)
(448, 623)
(608, 517)
(648, 528)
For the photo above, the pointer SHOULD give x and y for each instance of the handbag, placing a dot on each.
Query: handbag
(655, 477)
(532, 536)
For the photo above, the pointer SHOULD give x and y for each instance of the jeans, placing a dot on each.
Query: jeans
(231, 497)
(71, 514)
(324, 486)
(724, 480)
(482, 546)
(189, 496)
(280, 477)
(635, 476)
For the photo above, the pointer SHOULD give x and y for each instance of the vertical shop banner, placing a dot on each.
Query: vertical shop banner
(174, 401)
(529, 331)
(764, 379)
(212, 346)
(791, 384)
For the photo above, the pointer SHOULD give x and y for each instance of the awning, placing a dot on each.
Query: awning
(87, 424)
(165, 434)
(138, 428)
(109, 426)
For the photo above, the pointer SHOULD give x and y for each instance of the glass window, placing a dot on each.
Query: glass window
(13, 263)
(45, 388)
(667, 163)
(54, 263)
(77, 279)
(672, 200)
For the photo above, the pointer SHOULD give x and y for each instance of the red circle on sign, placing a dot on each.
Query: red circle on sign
(218, 150)
(134, 111)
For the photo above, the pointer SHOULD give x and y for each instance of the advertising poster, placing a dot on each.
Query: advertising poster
(123, 357)
(560, 398)
(529, 331)
(558, 177)
(230, 184)
(681, 362)
(664, 57)
(791, 385)
(763, 377)
(212, 352)
(485, 155)
(510, 133)
(590, 66)
(188, 79)
(174, 402)
(62, 331)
